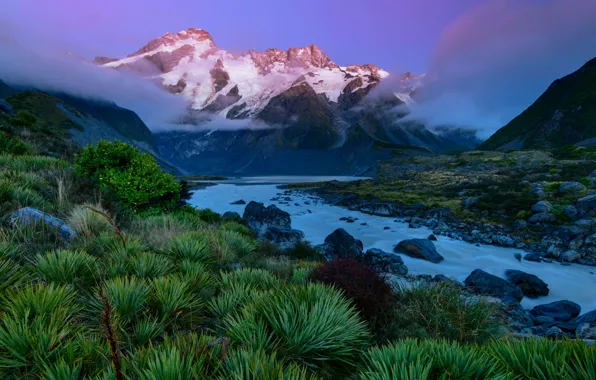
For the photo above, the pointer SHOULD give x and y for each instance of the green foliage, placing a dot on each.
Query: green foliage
(411, 359)
(585, 181)
(88, 222)
(543, 359)
(68, 267)
(134, 177)
(440, 311)
(128, 295)
(553, 171)
(147, 265)
(247, 364)
(194, 247)
(312, 324)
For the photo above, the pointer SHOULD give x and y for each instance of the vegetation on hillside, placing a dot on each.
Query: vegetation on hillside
(564, 114)
(178, 293)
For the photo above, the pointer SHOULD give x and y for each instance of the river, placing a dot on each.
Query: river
(574, 282)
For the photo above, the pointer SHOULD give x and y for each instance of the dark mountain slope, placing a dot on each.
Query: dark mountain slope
(565, 114)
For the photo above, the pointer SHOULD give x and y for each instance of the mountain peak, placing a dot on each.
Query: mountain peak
(172, 39)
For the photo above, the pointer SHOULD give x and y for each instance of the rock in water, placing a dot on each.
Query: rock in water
(272, 224)
(561, 311)
(485, 283)
(420, 249)
(385, 262)
(530, 284)
(589, 317)
(340, 244)
(239, 202)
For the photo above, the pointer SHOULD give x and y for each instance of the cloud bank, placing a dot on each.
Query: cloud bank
(494, 61)
(35, 63)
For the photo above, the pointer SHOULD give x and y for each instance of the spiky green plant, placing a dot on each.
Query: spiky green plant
(174, 301)
(147, 265)
(167, 363)
(248, 364)
(543, 359)
(229, 300)
(301, 275)
(146, 330)
(430, 359)
(62, 370)
(312, 324)
(11, 275)
(237, 244)
(68, 267)
(128, 295)
(259, 279)
(39, 300)
(191, 246)
(30, 343)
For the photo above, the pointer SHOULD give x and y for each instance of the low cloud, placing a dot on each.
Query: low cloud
(30, 62)
(495, 61)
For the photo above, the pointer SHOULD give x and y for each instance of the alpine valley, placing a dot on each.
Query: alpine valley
(247, 111)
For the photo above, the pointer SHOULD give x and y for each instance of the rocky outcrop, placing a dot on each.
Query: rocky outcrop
(572, 187)
(561, 311)
(530, 285)
(271, 223)
(420, 249)
(587, 203)
(340, 244)
(485, 283)
(29, 216)
(542, 206)
(385, 262)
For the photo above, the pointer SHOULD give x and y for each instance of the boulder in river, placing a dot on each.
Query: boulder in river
(533, 256)
(28, 216)
(271, 223)
(385, 261)
(531, 285)
(420, 249)
(340, 244)
(561, 311)
(589, 317)
(485, 283)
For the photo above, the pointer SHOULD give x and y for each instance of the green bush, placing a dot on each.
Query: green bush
(134, 177)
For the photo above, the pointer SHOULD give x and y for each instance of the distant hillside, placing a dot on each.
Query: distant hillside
(565, 114)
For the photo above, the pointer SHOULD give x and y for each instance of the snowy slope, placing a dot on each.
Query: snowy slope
(191, 64)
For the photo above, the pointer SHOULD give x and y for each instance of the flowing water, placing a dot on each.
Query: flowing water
(576, 283)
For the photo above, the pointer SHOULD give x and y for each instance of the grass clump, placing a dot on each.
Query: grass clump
(441, 311)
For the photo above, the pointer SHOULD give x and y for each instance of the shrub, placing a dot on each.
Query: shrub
(174, 301)
(441, 311)
(39, 300)
(209, 216)
(372, 295)
(134, 177)
(312, 324)
(553, 171)
(194, 246)
(258, 278)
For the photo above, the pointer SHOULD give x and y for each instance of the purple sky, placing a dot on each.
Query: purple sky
(394, 34)
(485, 60)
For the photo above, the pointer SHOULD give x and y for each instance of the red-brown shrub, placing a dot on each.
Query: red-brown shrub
(372, 295)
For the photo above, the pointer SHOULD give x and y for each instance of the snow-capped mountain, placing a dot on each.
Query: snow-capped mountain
(241, 85)
(320, 117)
